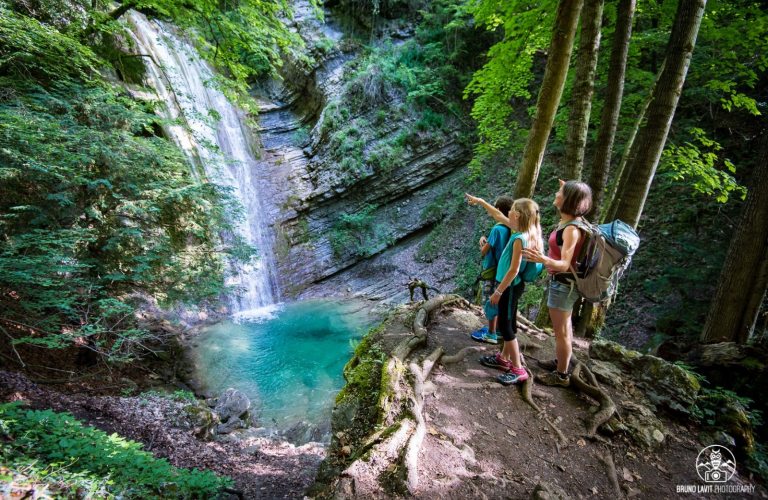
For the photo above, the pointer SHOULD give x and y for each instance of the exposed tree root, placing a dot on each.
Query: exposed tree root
(607, 458)
(459, 356)
(593, 390)
(411, 458)
(395, 369)
(474, 386)
(527, 390)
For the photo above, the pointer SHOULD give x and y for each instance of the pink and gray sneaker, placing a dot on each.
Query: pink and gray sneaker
(496, 362)
(513, 376)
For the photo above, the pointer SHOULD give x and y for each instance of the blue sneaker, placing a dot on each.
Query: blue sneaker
(478, 335)
(490, 338)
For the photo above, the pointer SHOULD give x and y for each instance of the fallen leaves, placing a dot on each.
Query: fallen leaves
(627, 475)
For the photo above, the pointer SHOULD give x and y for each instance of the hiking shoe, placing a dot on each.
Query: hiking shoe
(551, 365)
(514, 376)
(478, 335)
(490, 338)
(496, 362)
(553, 378)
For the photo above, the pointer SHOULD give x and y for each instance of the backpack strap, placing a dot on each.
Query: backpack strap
(581, 225)
(585, 253)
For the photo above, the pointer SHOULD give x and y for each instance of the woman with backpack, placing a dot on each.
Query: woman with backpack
(525, 223)
(573, 200)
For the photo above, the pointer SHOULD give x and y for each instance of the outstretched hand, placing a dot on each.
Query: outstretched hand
(530, 255)
(472, 200)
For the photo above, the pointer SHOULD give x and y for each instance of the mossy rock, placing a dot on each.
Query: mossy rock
(639, 424)
(666, 384)
(606, 372)
(203, 420)
(732, 418)
(606, 350)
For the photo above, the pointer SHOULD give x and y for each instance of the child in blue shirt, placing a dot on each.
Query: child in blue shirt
(491, 248)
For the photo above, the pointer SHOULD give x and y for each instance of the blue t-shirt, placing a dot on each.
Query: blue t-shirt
(506, 258)
(498, 240)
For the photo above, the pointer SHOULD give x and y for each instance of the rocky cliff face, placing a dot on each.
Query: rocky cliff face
(323, 157)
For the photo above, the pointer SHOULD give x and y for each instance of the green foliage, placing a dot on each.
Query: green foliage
(300, 136)
(757, 461)
(699, 168)
(358, 234)
(334, 116)
(711, 401)
(387, 156)
(40, 52)
(507, 74)
(55, 449)
(95, 208)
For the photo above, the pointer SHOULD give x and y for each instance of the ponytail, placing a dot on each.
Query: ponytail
(529, 222)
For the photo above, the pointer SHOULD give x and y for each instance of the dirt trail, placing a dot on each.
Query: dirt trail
(484, 441)
(489, 442)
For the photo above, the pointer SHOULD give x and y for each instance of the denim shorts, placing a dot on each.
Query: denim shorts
(561, 297)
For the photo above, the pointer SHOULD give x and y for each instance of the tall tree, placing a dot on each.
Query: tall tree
(583, 88)
(560, 48)
(619, 178)
(609, 119)
(744, 278)
(647, 148)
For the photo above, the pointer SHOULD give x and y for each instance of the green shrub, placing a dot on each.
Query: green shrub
(300, 136)
(55, 449)
(334, 116)
(358, 234)
(387, 157)
(430, 120)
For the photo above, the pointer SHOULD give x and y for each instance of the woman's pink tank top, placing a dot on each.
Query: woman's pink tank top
(554, 250)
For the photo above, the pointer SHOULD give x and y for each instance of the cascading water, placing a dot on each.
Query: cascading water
(214, 136)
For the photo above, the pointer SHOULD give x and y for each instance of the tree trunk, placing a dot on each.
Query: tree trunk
(646, 151)
(119, 11)
(744, 277)
(619, 178)
(591, 321)
(609, 120)
(542, 316)
(560, 48)
(583, 88)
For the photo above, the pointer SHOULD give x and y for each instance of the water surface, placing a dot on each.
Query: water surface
(287, 358)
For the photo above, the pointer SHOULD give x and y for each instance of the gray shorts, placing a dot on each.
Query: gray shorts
(561, 297)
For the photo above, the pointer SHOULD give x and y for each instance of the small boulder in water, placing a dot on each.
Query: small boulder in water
(232, 404)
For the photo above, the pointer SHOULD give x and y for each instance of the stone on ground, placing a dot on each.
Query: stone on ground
(549, 491)
(232, 404)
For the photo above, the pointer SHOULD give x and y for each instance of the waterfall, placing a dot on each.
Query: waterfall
(202, 120)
